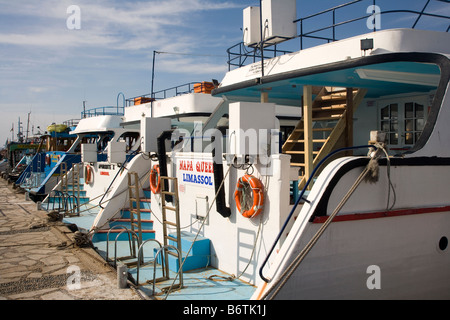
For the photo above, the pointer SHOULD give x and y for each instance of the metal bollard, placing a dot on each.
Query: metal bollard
(122, 276)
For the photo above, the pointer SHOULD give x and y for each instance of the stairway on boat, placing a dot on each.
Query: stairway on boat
(199, 252)
(121, 229)
(74, 204)
(199, 279)
(327, 124)
(67, 200)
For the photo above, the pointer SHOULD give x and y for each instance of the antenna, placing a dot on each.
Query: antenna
(28, 126)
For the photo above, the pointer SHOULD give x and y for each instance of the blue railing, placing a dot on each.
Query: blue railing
(239, 55)
(71, 122)
(103, 111)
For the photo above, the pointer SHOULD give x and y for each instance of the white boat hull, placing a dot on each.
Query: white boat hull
(369, 252)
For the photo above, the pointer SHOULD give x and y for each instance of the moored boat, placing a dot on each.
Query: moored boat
(349, 202)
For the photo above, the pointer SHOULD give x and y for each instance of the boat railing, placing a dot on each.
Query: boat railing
(103, 111)
(71, 122)
(165, 93)
(335, 24)
(240, 55)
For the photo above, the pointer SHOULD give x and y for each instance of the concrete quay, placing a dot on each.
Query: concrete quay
(39, 260)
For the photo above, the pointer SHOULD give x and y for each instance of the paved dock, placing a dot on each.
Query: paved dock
(39, 259)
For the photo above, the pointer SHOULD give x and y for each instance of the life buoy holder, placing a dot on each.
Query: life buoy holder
(258, 195)
(88, 174)
(155, 180)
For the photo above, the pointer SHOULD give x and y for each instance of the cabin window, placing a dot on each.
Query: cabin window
(389, 122)
(286, 132)
(414, 122)
(403, 120)
(130, 138)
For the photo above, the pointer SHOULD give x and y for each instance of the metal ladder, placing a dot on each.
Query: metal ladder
(135, 213)
(64, 178)
(63, 187)
(167, 223)
(75, 181)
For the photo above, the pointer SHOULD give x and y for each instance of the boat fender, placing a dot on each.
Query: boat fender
(88, 174)
(155, 180)
(258, 195)
(47, 160)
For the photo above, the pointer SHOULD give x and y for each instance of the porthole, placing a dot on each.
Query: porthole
(443, 243)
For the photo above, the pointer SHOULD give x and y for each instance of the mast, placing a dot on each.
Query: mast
(19, 131)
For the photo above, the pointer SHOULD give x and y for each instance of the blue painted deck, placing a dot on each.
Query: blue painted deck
(199, 284)
(86, 219)
(204, 283)
(200, 281)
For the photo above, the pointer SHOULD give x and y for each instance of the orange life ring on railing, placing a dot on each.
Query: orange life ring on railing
(155, 180)
(258, 195)
(88, 174)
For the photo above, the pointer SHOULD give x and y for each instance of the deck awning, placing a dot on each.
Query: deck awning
(382, 75)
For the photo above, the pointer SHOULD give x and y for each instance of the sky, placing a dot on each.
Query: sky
(54, 56)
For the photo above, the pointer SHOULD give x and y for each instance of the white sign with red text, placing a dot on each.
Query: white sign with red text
(195, 171)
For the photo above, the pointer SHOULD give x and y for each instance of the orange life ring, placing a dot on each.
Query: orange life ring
(88, 174)
(155, 180)
(258, 195)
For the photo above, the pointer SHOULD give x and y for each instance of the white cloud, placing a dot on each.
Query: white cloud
(38, 89)
(48, 67)
(119, 25)
(189, 65)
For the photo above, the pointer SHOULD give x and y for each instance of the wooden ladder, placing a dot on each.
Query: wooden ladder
(76, 179)
(63, 176)
(135, 213)
(327, 121)
(170, 223)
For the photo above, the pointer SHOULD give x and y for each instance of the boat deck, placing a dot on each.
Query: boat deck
(86, 219)
(200, 284)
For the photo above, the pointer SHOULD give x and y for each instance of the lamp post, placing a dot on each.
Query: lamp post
(262, 40)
